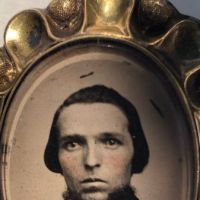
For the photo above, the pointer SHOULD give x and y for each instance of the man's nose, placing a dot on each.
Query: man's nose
(92, 157)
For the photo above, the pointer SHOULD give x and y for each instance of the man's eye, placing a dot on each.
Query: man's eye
(71, 146)
(112, 143)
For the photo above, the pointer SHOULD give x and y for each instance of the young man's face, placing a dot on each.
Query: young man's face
(95, 150)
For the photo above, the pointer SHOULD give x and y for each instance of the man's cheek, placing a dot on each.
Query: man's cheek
(118, 163)
(69, 163)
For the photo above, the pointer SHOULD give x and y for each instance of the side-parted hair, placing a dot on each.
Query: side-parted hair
(100, 94)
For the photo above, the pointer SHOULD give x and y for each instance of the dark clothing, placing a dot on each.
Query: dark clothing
(124, 194)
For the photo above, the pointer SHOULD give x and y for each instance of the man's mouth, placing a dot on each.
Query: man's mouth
(93, 180)
(94, 185)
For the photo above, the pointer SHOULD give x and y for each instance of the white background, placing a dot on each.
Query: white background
(8, 8)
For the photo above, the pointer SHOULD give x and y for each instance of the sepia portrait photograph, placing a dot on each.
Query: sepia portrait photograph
(97, 124)
(99, 100)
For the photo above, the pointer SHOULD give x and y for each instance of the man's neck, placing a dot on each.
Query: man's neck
(123, 194)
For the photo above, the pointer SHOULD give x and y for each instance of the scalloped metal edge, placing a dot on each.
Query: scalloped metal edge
(152, 24)
(155, 25)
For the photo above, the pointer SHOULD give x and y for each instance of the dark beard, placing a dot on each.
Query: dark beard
(126, 193)
(123, 194)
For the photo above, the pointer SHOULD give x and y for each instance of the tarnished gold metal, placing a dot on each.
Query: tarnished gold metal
(8, 72)
(155, 24)
(108, 17)
(152, 24)
(65, 17)
(25, 37)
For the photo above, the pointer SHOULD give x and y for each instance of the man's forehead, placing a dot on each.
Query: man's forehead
(94, 116)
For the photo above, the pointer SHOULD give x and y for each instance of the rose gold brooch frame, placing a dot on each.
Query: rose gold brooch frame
(155, 26)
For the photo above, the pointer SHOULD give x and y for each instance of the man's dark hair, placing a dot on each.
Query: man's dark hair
(100, 94)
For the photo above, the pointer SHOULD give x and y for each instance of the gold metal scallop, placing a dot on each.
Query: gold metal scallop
(111, 16)
(111, 10)
(181, 44)
(192, 87)
(187, 43)
(25, 37)
(8, 72)
(65, 17)
(154, 14)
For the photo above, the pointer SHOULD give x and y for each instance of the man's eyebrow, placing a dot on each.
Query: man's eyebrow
(72, 137)
(112, 134)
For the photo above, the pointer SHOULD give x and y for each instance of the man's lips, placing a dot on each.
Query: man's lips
(93, 180)
(91, 185)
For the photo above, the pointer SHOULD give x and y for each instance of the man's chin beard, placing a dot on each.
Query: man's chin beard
(126, 193)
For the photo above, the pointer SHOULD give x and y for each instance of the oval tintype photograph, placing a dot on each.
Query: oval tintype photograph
(98, 122)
